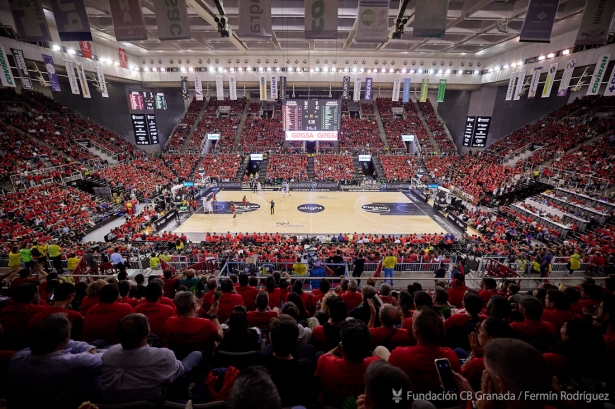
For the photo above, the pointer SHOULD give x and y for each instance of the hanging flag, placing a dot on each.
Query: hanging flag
(368, 89)
(511, 87)
(430, 18)
(128, 21)
(610, 85)
(232, 87)
(51, 73)
(255, 18)
(321, 19)
(346, 88)
(102, 84)
(406, 94)
(263, 87)
(30, 21)
(72, 78)
(597, 17)
(520, 82)
(441, 89)
(83, 80)
(219, 88)
(396, 87)
(274, 87)
(282, 88)
(7, 75)
(86, 49)
(184, 87)
(424, 89)
(172, 20)
(534, 84)
(22, 69)
(566, 77)
(198, 88)
(373, 21)
(539, 19)
(71, 20)
(123, 57)
(546, 90)
(357, 90)
(599, 71)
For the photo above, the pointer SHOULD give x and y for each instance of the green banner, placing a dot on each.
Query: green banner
(424, 88)
(441, 90)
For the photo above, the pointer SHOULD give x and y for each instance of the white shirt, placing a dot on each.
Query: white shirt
(116, 258)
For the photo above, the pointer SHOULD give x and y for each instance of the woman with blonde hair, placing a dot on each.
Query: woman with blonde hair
(91, 296)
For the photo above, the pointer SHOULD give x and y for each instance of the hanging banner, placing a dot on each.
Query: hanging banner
(430, 18)
(368, 89)
(255, 18)
(357, 89)
(172, 20)
(22, 68)
(396, 87)
(346, 88)
(51, 73)
(321, 19)
(566, 77)
(597, 17)
(441, 89)
(128, 21)
(123, 57)
(219, 88)
(7, 75)
(83, 80)
(198, 88)
(86, 49)
(424, 89)
(599, 71)
(519, 88)
(274, 87)
(30, 21)
(406, 94)
(71, 20)
(263, 87)
(102, 85)
(539, 19)
(373, 21)
(511, 87)
(610, 85)
(184, 87)
(232, 87)
(546, 91)
(72, 78)
(534, 84)
(282, 88)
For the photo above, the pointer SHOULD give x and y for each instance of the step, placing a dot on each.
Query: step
(383, 135)
(195, 126)
(244, 116)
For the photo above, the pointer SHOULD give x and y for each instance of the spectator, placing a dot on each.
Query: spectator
(63, 296)
(388, 335)
(156, 313)
(247, 292)
(254, 388)
(239, 337)
(228, 300)
(263, 315)
(532, 329)
(101, 320)
(15, 316)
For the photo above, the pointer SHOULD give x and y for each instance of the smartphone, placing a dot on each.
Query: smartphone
(443, 366)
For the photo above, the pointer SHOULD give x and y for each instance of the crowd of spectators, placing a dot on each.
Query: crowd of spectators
(184, 126)
(437, 129)
(226, 127)
(130, 178)
(399, 168)
(367, 108)
(221, 166)
(394, 128)
(333, 168)
(262, 135)
(181, 165)
(360, 135)
(287, 167)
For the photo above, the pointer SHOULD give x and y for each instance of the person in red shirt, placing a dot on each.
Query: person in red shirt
(532, 328)
(263, 314)
(208, 297)
(247, 292)
(157, 314)
(102, 319)
(488, 289)
(387, 334)
(171, 283)
(318, 294)
(124, 297)
(557, 310)
(25, 277)
(15, 316)
(228, 300)
(385, 293)
(187, 333)
(63, 295)
(91, 297)
(591, 294)
(352, 298)
(457, 290)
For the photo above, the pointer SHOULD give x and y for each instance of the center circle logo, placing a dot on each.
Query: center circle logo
(373, 208)
(310, 208)
(368, 17)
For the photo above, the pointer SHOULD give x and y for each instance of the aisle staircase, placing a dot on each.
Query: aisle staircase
(383, 135)
(244, 116)
(358, 169)
(424, 122)
(195, 126)
(241, 170)
(262, 174)
(378, 167)
(310, 167)
(100, 153)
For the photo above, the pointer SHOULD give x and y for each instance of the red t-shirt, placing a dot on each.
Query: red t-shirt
(86, 303)
(14, 319)
(340, 378)
(260, 319)
(486, 295)
(380, 335)
(558, 318)
(455, 295)
(133, 302)
(157, 314)
(535, 328)
(609, 339)
(102, 319)
(275, 298)
(473, 372)
(170, 284)
(208, 299)
(74, 317)
(226, 303)
(352, 299)
(248, 293)
(458, 320)
(191, 334)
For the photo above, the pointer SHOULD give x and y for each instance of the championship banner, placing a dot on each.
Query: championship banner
(534, 84)
(346, 88)
(274, 87)
(373, 21)
(321, 19)
(511, 87)
(232, 87)
(599, 71)
(184, 87)
(539, 19)
(86, 49)
(441, 89)
(83, 80)
(128, 21)
(72, 78)
(430, 18)
(424, 89)
(198, 88)
(396, 87)
(546, 91)
(255, 18)
(282, 88)
(406, 94)
(172, 20)
(123, 57)
(71, 20)
(263, 87)
(368, 89)
(101, 82)
(566, 77)
(219, 88)
(596, 21)
(520, 82)
(357, 90)
(7, 74)
(22, 68)
(30, 21)
(51, 73)
(610, 85)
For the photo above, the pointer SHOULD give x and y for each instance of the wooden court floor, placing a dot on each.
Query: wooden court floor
(313, 213)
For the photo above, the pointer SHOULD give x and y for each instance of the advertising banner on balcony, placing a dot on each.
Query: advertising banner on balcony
(396, 87)
(198, 88)
(546, 91)
(566, 77)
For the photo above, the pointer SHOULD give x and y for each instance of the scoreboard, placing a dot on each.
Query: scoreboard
(311, 119)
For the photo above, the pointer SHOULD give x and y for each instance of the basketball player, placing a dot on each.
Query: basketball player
(210, 207)
(272, 207)
(245, 201)
(259, 187)
(233, 210)
(283, 193)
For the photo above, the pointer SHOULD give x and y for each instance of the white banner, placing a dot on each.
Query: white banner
(83, 80)
(101, 82)
(255, 18)
(198, 88)
(72, 77)
(262, 86)
(594, 28)
(321, 19)
(546, 91)
(357, 89)
(511, 87)
(610, 85)
(219, 88)
(373, 21)
(566, 77)
(311, 136)
(520, 82)
(274, 87)
(396, 87)
(232, 87)
(534, 84)
(599, 71)
(7, 75)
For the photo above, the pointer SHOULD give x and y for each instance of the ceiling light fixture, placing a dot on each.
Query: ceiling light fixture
(448, 71)
(191, 69)
(565, 52)
(550, 55)
(211, 69)
(56, 47)
(162, 69)
(505, 67)
(513, 65)
(476, 72)
(183, 69)
(268, 69)
(71, 51)
(403, 70)
(540, 58)
(440, 72)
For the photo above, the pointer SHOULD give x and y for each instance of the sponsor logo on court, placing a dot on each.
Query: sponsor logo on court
(325, 197)
(287, 225)
(376, 208)
(310, 208)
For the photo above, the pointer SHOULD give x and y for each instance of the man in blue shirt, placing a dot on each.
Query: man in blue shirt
(317, 271)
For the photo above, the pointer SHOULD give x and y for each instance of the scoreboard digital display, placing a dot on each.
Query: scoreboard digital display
(311, 119)
(146, 101)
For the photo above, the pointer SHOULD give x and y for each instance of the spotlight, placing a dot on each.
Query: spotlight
(440, 72)
(191, 69)
(565, 52)
(71, 51)
(448, 71)
(56, 47)
(541, 58)
(212, 69)
(403, 70)
(476, 72)
(550, 55)
(183, 69)
(162, 69)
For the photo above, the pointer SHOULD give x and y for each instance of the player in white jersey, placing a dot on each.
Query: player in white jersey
(210, 207)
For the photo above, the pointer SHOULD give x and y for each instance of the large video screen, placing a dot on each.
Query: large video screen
(311, 115)
(145, 101)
